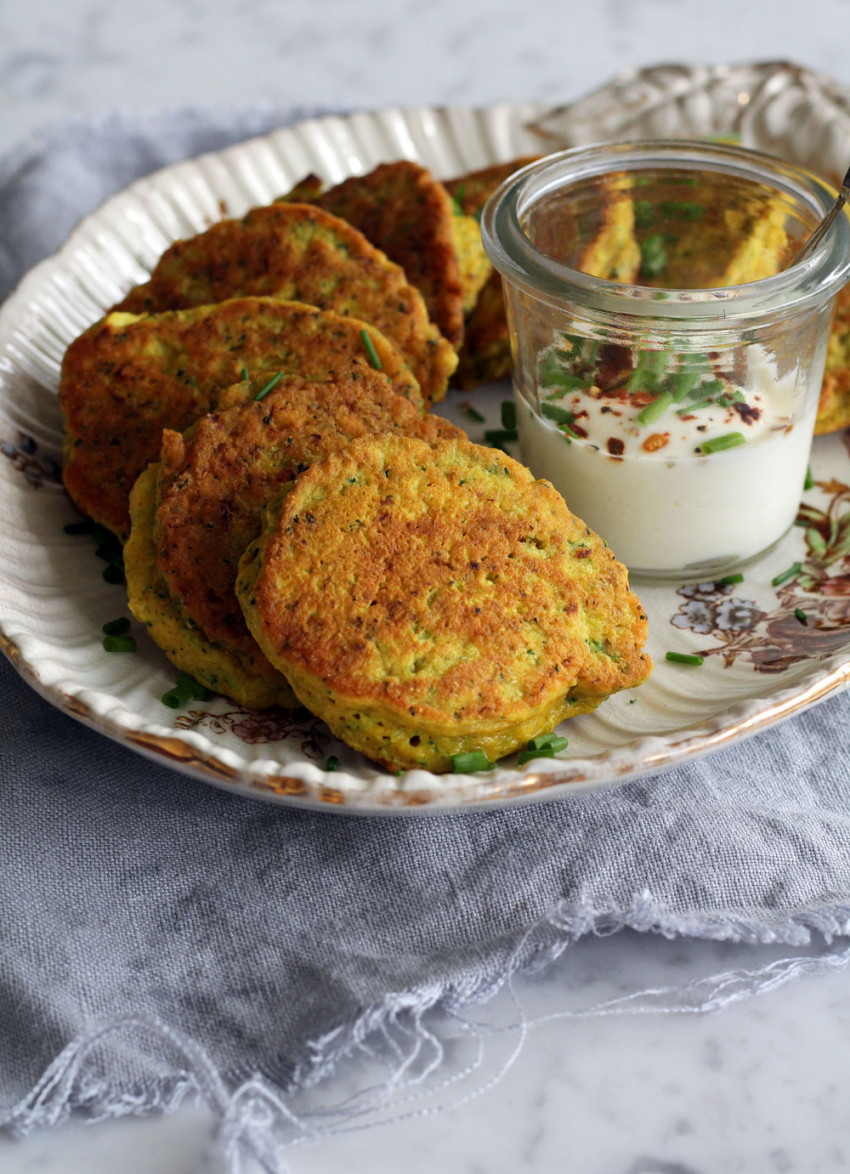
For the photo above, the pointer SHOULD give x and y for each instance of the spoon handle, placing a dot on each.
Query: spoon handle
(825, 225)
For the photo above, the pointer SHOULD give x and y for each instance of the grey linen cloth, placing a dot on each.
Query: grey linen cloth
(193, 923)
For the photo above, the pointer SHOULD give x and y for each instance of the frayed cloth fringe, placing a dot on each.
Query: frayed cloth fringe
(255, 1119)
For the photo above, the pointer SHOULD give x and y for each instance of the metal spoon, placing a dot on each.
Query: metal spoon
(825, 225)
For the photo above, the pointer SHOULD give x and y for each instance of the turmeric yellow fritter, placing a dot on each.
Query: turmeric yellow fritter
(595, 236)
(402, 209)
(472, 191)
(834, 406)
(708, 238)
(215, 481)
(486, 351)
(426, 600)
(306, 190)
(128, 377)
(475, 267)
(301, 253)
(248, 679)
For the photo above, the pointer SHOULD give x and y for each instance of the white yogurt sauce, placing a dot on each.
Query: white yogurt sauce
(661, 505)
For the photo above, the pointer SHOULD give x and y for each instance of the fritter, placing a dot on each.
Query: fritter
(486, 352)
(403, 210)
(613, 254)
(306, 190)
(708, 242)
(594, 236)
(301, 253)
(475, 267)
(429, 600)
(834, 406)
(128, 377)
(472, 191)
(213, 485)
(251, 681)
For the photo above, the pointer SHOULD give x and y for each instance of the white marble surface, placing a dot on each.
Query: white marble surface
(759, 1087)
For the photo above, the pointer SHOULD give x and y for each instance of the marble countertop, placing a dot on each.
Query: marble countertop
(758, 1087)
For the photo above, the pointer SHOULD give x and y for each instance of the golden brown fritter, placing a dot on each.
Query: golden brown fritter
(249, 680)
(595, 235)
(128, 377)
(709, 236)
(428, 600)
(305, 191)
(834, 406)
(475, 267)
(402, 209)
(301, 253)
(486, 351)
(215, 482)
(472, 191)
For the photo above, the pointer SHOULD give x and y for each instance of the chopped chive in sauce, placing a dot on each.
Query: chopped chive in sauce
(374, 358)
(807, 484)
(655, 363)
(655, 409)
(509, 414)
(648, 371)
(698, 406)
(684, 383)
(174, 699)
(792, 573)
(721, 443)
(559, 415)
(551, 371)
(332, 763)
(470, 762)
(270, 386)
(243, 374)
(119, 644)
(116, 627)
(696, 361)
(713, 387)
(801, 615)
(683, 658)
(471, 412)
(729, 580)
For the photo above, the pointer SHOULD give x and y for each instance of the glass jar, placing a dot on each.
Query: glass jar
(667, 358)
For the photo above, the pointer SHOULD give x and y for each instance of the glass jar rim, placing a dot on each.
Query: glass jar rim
(792, 290)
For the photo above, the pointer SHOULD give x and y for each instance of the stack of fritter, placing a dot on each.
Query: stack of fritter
(297, 351)
(429, 600)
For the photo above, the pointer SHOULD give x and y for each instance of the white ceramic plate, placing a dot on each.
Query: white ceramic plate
(762, 664)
